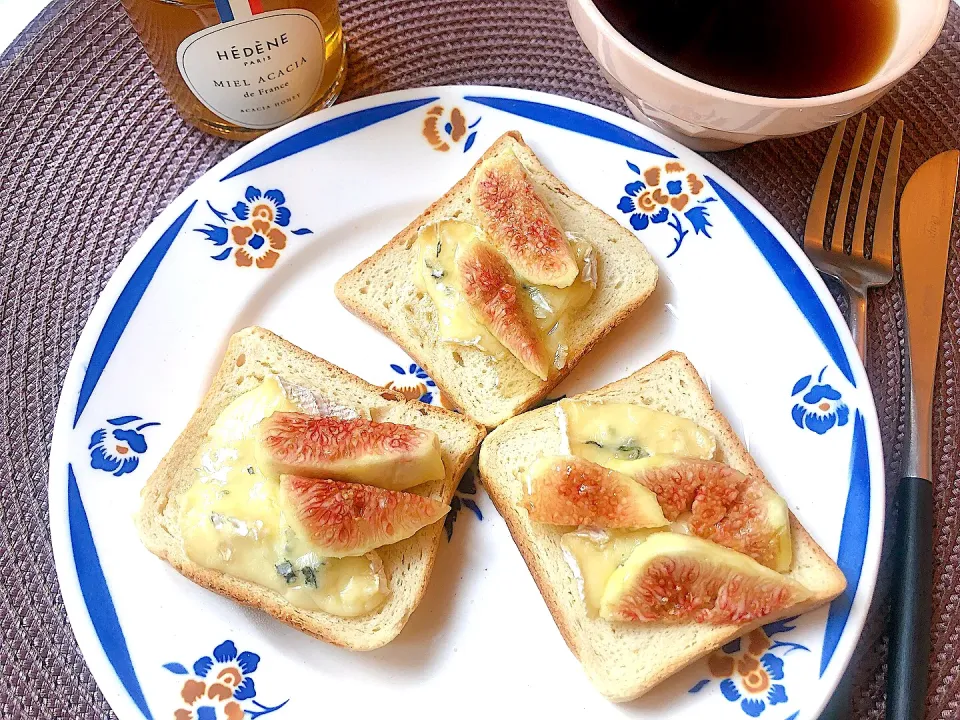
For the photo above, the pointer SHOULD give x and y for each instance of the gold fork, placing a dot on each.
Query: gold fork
(855, 271)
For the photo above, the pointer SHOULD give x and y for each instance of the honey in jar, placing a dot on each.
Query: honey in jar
(237, 68)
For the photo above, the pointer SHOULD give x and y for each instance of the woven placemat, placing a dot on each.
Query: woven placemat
(91, 151)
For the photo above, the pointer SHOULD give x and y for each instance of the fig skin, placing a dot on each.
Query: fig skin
(520, 225)
(737, 511)
(348, 519)
(568, 490)
(387, 455)
(676, 578)
(492, 292)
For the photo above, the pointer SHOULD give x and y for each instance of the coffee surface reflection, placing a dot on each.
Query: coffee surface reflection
(771, 48)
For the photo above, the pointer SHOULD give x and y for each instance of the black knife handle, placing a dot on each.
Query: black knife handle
(910, 601)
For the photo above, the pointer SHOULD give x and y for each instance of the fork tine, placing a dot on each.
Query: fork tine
(883, 232)
(840, 224)
(865, 189)
(817, 215)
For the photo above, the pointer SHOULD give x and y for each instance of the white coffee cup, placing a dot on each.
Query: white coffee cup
(705, 117)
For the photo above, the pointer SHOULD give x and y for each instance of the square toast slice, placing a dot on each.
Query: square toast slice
(625, 660)
(251, 354)
(381, 290)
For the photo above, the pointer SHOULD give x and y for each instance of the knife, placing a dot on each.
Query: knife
(926, 217)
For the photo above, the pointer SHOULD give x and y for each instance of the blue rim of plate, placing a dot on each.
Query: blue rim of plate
(792, 269)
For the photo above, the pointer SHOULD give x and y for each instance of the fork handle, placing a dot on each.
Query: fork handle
(858, 320)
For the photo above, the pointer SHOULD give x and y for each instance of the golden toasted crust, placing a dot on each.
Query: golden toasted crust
(672, 646)
(592, 334)
(251, 353)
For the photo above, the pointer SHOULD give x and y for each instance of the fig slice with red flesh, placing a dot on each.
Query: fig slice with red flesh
(386, 455)
(347, 519)
(491, 290)
(677, 578)
(716, 502)
(519, 223)
(568, 490)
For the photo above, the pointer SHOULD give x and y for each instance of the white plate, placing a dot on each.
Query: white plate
(736, 295)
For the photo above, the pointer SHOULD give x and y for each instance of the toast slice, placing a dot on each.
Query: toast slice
(381, 290)
(624, 661)
(251, 353)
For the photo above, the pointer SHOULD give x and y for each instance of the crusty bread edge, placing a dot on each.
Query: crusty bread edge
(156, 492)
(401, 239)
(511, 516)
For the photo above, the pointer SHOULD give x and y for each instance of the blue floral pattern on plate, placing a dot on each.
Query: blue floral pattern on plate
(117, 450)
(256, 233)
(443, 130)
(416, 384)
(750, 670)
(465, 497)
(220, 687)
(820, 407)
(667, 194)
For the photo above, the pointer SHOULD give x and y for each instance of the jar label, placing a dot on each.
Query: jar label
(259, 72)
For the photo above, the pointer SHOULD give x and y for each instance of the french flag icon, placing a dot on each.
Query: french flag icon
(238, 9)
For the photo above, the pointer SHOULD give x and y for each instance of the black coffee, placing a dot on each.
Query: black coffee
(773, 48)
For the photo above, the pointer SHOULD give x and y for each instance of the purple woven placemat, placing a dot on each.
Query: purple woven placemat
(91, 151)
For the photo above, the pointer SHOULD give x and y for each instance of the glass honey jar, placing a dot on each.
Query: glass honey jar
(237, 68)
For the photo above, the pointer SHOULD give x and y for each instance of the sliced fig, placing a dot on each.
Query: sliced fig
(679, 579)
(718, 503)
(387, 455)
(568, 490)
(344, 519)
(519, 223)
(457, 324)
(601, 431)
(593, 555)
(491, 290)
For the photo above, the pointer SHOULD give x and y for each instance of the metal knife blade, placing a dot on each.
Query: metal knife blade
(926, 219)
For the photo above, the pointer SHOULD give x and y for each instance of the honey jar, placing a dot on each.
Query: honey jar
(237, 68)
